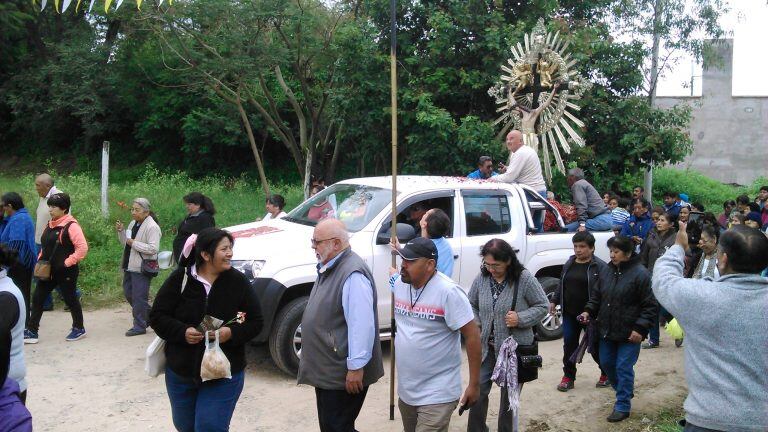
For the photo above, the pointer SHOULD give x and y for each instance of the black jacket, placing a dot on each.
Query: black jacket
(173, 312)
(191, 225)
(655, 245)
(623, 301)
(593, 277)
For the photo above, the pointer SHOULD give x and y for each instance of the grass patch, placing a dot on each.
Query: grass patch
(237, 200)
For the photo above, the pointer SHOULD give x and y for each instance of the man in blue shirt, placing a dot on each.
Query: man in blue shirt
(639, 224)
(435, 225)
(484, 169)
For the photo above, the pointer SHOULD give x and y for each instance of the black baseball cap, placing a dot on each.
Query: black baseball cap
(419, 247)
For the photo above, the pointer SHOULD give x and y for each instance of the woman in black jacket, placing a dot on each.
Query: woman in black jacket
(661, 238)
(209, 286)
(200, 211)
(625, 308)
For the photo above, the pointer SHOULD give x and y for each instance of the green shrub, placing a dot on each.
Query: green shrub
(237, 200)
(700, 188)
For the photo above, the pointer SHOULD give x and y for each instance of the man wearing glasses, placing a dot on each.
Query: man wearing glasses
(340, 352)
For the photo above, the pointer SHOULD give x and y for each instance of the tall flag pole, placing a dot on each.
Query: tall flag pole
(393, 97)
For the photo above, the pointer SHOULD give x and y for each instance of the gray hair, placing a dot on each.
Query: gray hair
(576, 172)
(143, 203)
(484, 159)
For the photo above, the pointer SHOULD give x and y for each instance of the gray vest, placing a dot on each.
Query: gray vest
(18, 369)
(324, 346)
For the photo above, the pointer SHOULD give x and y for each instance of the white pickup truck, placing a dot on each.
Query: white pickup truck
(277, 258)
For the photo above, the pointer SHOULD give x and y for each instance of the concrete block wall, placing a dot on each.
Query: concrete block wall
(730, 134)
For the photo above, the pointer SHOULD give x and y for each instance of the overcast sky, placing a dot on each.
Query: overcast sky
(748, 22)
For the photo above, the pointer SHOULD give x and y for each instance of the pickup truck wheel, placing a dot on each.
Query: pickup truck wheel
(285, 339)
(551, 326)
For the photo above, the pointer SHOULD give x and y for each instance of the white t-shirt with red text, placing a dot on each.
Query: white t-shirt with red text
(428, 341)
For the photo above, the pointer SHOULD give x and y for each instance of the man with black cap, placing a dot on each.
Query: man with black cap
(431, 312)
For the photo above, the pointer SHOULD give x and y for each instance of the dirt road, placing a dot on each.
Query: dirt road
(98, 384)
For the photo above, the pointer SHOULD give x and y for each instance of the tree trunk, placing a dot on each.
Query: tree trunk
(658, 11)
(252, 141)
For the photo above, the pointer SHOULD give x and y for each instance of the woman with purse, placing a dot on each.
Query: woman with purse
(141, 243)
(205, 284)
(659, 239)
(625, 309)
(507, 301)
(63, 246)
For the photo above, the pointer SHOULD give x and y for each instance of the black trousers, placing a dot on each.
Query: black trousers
(22, 278)
(67, 283)
(572, 329)
(337, 410)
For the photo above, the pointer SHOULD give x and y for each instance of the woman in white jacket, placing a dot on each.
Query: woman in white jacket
(142, 242)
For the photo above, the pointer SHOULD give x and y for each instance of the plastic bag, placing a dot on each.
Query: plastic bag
(673, 329)
(215, 364)
(154, 364)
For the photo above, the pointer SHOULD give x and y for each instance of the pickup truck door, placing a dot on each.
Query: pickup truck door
(382, 253)
(487, 214)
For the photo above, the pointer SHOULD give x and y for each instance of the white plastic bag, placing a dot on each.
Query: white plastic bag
(154, 364)
(155, 361)
(215, 364)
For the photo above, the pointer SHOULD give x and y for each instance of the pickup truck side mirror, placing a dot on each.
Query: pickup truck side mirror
(405, 233)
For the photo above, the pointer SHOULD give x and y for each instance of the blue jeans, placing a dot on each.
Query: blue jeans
(202, 407)
(618, 360)
(654, 333)
(603, 222)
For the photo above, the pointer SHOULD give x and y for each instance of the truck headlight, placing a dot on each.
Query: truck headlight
(250, 268)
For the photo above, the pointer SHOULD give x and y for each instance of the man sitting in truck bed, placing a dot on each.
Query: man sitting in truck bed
(594, 214)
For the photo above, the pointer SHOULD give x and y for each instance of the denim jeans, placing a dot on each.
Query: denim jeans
(618, 360)
(202, 407)
(572, 329)
(603, 222)
(507, 422)
(654, 333)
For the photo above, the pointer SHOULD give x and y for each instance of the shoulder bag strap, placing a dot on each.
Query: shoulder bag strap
(59, 239)
(514, 294)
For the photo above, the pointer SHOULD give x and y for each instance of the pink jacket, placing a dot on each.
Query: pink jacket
(77, 237)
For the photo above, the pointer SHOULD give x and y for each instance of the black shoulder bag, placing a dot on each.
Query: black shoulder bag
(528, 358)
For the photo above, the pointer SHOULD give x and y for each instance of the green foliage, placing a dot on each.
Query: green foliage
(70, 83)
(700, 188)
(237, 200)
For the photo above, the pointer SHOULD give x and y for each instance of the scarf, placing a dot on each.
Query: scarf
(505, 371)
(711, 267)
(18, 233)
(586, 343)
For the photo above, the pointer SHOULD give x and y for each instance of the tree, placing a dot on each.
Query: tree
(272, 59)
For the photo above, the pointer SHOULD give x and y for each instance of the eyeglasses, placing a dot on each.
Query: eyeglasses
(494, 266)
(316, 242)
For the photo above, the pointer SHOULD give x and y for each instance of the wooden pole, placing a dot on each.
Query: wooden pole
(104, 179)
(393, 97)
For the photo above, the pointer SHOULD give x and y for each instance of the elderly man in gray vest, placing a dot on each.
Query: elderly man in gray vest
(341, 352)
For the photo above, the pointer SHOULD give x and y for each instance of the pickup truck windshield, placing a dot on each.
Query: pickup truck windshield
(355, 205)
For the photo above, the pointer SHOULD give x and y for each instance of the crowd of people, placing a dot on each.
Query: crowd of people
(672, 261)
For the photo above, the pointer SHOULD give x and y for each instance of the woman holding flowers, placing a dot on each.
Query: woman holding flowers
(205, 287)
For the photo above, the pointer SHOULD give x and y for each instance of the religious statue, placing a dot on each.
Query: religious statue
(541, 64)
(528, 118)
